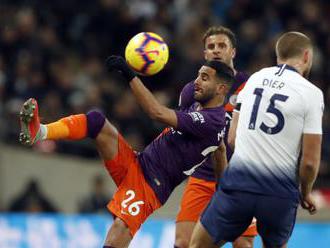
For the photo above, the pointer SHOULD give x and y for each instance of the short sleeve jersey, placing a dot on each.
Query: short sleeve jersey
(278, 106)
(206, 171)
(176, 153)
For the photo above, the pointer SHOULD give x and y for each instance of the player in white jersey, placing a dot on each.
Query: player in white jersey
(278, 119)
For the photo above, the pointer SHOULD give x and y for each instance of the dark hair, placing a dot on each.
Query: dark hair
(223, 71)
(214, 30)
(292, 44)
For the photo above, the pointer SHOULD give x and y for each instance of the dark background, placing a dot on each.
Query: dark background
(55, 50)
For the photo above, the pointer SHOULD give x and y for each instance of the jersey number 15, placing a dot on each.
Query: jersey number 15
(271, 109)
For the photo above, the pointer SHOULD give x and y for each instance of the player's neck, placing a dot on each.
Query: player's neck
(293, 63)
(213, 103)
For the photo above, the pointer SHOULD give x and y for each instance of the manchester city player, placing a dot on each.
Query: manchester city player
(278, 117)
(219, 44)
(145, 180)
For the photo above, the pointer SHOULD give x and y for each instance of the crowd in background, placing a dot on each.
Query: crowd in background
(54, 51)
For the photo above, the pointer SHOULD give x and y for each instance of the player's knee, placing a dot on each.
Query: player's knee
(183, 234)
(119, 226)
(95, 122)
(181, 242)
(118, 233)
(243, 242)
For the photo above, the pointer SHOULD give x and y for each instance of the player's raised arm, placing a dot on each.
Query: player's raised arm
(144, 97)
(151, 105)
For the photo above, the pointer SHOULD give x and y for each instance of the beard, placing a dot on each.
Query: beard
(203, 97)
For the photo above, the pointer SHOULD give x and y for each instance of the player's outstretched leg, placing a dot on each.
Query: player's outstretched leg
(76, 127)
(30, 124)
(73, 127)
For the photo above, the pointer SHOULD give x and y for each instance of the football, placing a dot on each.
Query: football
(146, 53)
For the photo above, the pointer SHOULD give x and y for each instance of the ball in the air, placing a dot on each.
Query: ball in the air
(146, 53)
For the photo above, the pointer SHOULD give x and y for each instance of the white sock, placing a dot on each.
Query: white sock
(43, 132)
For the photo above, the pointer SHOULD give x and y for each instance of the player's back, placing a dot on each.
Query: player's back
(277, 106)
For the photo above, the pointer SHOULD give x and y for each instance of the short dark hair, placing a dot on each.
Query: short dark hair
(223, 71)
(292, 44)
(214, 30)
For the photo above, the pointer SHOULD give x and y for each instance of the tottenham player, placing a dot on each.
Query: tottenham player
(279, 117)
(145, 180)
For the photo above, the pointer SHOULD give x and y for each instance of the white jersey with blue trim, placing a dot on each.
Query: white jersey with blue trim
(278, 106)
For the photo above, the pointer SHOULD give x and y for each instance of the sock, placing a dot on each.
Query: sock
(95, 122)
(43, 132)
(72, 127)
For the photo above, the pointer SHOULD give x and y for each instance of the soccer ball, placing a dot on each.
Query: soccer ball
(146, 53)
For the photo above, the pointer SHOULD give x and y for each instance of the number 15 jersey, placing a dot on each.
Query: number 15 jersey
(277, 106)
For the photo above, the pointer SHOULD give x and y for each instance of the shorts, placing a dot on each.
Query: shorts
(134, 199)
(229, 213)
(197, 194)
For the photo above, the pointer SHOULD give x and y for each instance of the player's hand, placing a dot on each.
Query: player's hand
(117, 63)
(307, 202)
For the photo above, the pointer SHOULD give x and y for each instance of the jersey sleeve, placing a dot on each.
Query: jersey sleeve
(240, 98)
(314, 113)
(186, 96)
(243, 92)
(195, 123)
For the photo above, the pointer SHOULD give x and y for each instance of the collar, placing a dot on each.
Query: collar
(287, 67)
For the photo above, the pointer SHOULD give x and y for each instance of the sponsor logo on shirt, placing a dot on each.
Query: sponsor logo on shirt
(197, 116)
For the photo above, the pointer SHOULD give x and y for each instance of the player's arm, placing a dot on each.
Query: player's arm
(219, 158)
(309, 167)
(144, 97)
(311, 149)
(233, 128)
(151, 105)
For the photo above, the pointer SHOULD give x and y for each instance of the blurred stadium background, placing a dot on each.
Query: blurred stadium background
(54, 51)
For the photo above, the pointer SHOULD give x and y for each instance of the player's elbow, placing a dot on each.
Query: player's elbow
(309, 168)
(311, 161)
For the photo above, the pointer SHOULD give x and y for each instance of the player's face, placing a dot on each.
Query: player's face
(219, 47)
(205, 86)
